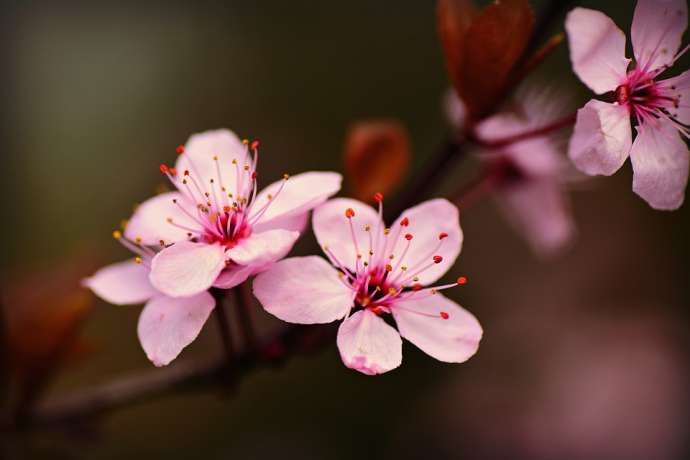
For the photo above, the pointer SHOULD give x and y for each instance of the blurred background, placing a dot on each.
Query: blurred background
(584, 355)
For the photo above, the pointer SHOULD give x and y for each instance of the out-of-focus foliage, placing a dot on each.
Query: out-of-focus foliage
(482, 49)
(377, 156)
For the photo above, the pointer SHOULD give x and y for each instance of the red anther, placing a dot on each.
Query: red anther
(405, 222)
(442, 235)
(227, 209)
(173, 171)
(349, 213)
(416, 287)
(186, 172)
(462, 280)
(438, 259)
(377, 311)
(164, 169)
(255, 145)
(254, 175)
(389, 268)
(408, 236)
(378, 197)
(445, 315)
(180, 149)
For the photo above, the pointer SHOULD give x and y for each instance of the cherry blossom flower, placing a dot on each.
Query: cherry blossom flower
(166, 324)
(529, 176)
(216, 230)
(658, 108)
(374, 272)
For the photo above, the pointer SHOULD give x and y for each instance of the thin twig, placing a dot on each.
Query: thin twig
(244, 303)
(223, 326)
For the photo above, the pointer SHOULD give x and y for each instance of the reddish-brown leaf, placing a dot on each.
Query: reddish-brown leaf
(494, 43)
(377, 155)
(454, 17)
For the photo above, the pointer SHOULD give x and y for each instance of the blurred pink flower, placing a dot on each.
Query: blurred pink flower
(166, 324)
(533, 171)
(216, 230)
(602, 140)
(377, 271)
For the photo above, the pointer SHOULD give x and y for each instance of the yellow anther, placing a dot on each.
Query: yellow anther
(137, 260)
(169, 219)
(117, 235)
(392, 291)
(137, 240)
(286, 176)
(365, 301)
(245, 141)
(215, 157)
(386, 231)
(234, 161)
(162, 242)
(415, 279)
(270, 197)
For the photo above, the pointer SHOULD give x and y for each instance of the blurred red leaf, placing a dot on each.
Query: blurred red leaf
(377, 155)
(454, 18)
(482, 49)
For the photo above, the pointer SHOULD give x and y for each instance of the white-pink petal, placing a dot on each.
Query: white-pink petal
(234, 275)
(262, 248)
(332, 228)
(597, 49)
(602, 138)
(122, 283)
(296, 223)
(167, 325)
(678, 87)
(427, 221)
(540, 211)
(303, 290)
(368, 345)
(452, 340)
(660, 164)
(198, 159)
(150, 221)
(657, 31)
(300, 194)
(187, 268)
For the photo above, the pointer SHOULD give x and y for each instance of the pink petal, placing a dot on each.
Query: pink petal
(150, 220)
(679, 87)
(657, 31)
(540, 211)
(167, 325)
(332, 229)
(198, 159)
(122, 283)
(452, 340)
(303, 290)
(660, 164)
(296, 223)
(601, 141)
(187, 268)
(234, 275)
(597, 49)
(262, 248)
(427, 221)
(300, 194)
(368, 345)
(456, 112)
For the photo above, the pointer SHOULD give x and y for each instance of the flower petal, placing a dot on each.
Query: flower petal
(657, 31)
(167, 325)
(187, 268)
(332, 229)
(601, 141)
(296, 223)
(150, 220)
(301, 194)
(234, 275)
(597, 49)
(198, 159)
(539, 210)
(262, 248)
(122, 283)
(303, 290)
(426, 222)
(678, 87)
(452, 340)
(660, 164)
(368, 345)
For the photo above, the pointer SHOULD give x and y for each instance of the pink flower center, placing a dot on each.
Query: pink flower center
(382, 278)
(650, 101)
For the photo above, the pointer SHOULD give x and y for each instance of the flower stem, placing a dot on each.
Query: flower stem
(243, 300)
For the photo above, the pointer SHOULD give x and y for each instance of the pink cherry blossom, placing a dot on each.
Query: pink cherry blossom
(658, 108)
(216, 230)
(531, 189)
(372, 272)
(166, 324)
